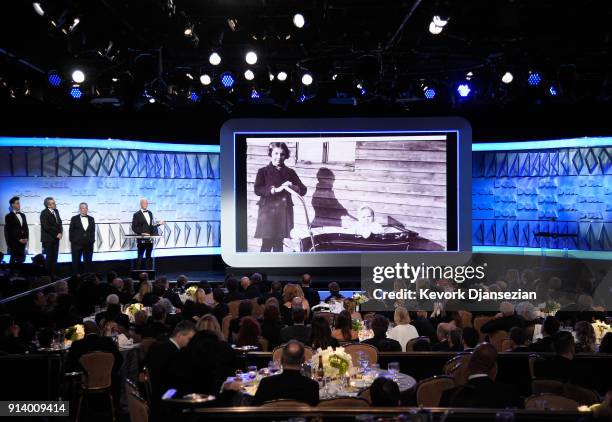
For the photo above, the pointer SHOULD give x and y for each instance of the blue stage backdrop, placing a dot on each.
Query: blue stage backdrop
(181, 183)
(543, 194)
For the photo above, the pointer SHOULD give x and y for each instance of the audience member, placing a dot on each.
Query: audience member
(220, 309)
(249, 333)
(9, 336)
(384, 393)
(233, 290)
(343, 328)
(271, 326)
(606, 343)
(519, 337)
(469, 338)
(380, 325)
(321, 334)
(92, 342)
(334, 292)
(455, 340)
(585, 337)
(550, 327)
(424, 327)
(311, 295)
(209, 323)
(403, 331)
(504, 320)
(442, 331)
(298, 331)
(245, 309)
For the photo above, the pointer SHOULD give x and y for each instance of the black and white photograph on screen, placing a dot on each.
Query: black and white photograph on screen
(346, 194)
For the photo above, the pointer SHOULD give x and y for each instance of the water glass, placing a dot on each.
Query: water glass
(273, 367)
(238, 375)
(393, 369)
(252, 371)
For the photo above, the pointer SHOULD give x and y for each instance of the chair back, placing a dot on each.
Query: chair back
(497, 339)
(131, 387)
(137, 408)
(330, 317)
(479, 321)
(225, 326)
(145, 345)
(507, 345)
(429, 391)
(258, 310)
(366, 395)
(457, 367)
(550, 402)
(529, 332)
(145, 379)
(533, 358)
(582, 395)
(277, 353)
(98, 368)
(370, 351)
(233, 308)
(263, 342)
(542, 386)
(284, 404)
(466, 318)
(344, 402)
(410, 344)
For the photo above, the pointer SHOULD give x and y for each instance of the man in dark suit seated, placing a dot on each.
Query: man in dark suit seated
(384, 392)
(113, 313)
(424, 326)
(442, 331)
(297, 331)
(379, 325)
(233, 290)
(250, 290)
(562, 366)
(92, 342)
(550, 327)
(481, 391)
(290, 384)
(156, 326)
(504, 320)
(518, 337)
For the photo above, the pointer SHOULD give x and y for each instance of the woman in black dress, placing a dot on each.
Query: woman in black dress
(275, 217)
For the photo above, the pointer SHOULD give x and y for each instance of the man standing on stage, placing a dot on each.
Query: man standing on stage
(16, 231)
(50, 233)
(82, 235)
(144, 224)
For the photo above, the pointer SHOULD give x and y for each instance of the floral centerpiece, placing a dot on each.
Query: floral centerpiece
(601, 328)
(357, 325)
(336, 363)
(551, 307)
(191, 292)
(360, 298)
(133, 308)
(76, 332)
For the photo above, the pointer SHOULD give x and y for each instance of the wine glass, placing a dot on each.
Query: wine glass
(273, 367)
(252, 371)
(393, 369)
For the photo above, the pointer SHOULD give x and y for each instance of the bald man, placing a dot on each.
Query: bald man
(144, 224)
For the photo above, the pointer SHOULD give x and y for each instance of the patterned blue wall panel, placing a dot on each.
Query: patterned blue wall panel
(549, 198)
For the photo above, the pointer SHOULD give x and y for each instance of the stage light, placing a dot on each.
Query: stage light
(271, 76)
(189, 75)
(439, 21)
(282, 76)
(54, 79)
(151, 100)
(78, 76)
(435, 30)
(249, 75)
(307, 79)
(552, 91)
(429, 93)
(38, 8)
(254, 94)
(464, 90)
(188, 32)
(193, 96)
(227, 80)
(334, 76)
(302, 98)
(469, 75)
(251, 57)
(507, 78)
(205, 79)
(534, 78)
(74, 24)
(76, 93)
(214, 59)
(298, 20)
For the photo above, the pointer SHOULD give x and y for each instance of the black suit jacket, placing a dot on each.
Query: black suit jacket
(140, 225)
(80, 236)
(49, 226)
(13, 231)
(481, 392)
(288, 385)
(296, 332)
(503, 323)
(384, 344)
(163, 363)
(92, 343)
(312, 296)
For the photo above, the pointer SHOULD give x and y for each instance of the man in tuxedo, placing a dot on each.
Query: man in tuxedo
(144, 224)
(311, 295)
(51, 231)
(16, 231)
(92, 342)
(82, 235)
(291, 384)
(298, 330)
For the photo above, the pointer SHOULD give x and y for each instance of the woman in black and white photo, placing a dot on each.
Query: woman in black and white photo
(275, 216)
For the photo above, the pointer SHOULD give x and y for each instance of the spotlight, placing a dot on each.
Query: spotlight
(254, 94)
(189, 75)
(227, 80)
(78, 76)
(54, 79)
(151, 100)
(74, 24)
(469, 75)
(214, 59)
(249, 75)
(334, 76)
(507, 78)
(307, 79)
(251, 57)
(271, 76)
(534, 78)
(429, 93)
(205, 79)
(76, 93)
(193, 96)
(298, 20)
(435, 30)
(553, 91)
(188, 32)
(38, 8)
(440, 22)
(464, 90)
(282, 76)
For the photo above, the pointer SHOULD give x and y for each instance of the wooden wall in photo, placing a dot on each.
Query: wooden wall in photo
(403, 180)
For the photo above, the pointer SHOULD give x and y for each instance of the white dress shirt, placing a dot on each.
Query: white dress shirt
(19, 218)
(147, 216)
(85, 222)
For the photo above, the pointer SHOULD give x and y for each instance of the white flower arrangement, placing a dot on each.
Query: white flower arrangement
(76, 332)
(133, 308)
(360, 298)
(335, 362)
(601, 328)
(191, 292)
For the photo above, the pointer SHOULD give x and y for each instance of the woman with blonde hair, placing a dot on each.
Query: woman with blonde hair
(350, 306)
(144, 288)
(403, 331)
(210, 323)
(293, 295)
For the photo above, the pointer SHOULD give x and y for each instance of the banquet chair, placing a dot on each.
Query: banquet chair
(429, 391)
(366, 395)
(284, 404)
(533, 358)
(478, 323)
(145, 379)
(233, 308)
(507, 345)
(575, 392)
(330, 317)
(410, 344)
(466, 318)
(543, 386)
(496, 339)
(97, 378)
(457, 367)
(550, 402)
(258, 310)
(344, 402)
(370, 351)
(137, 407)
(264, 343)
(225, 326)
(145, 345)
(277, 353)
